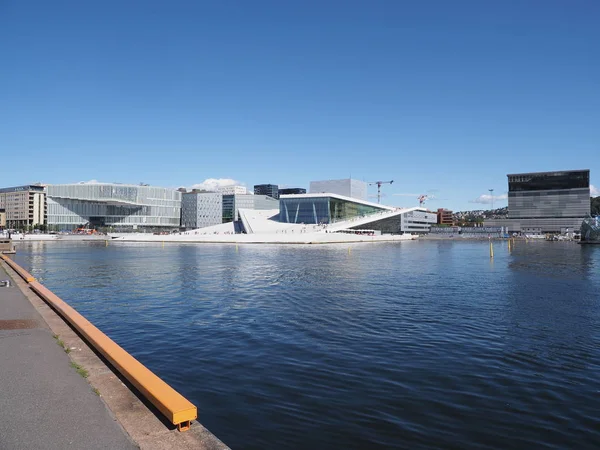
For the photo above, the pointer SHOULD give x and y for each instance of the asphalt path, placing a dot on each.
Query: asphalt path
(44, 402)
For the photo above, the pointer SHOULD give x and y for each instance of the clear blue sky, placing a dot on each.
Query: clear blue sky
(443, 97)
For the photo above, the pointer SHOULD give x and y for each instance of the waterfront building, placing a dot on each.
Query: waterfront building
(546, 202)
(353, 214)
(291, 191)
(233, 190)
(201, 209)
(232, 203)
(348, 187)
(112, 205)
(2, 219)
(271, 190)
(24, 206)
(445, 217)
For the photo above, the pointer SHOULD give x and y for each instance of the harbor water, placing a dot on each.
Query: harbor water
(419, 344)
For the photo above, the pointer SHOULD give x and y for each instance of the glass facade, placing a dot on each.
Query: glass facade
(322, 210)
(548, 195)
(590, 230)
(106, 204)
(576, 179)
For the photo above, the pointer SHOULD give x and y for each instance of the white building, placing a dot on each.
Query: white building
(233, 190)
(348, 187)
(112, 205)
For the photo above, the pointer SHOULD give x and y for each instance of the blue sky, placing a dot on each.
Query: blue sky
(444, 97)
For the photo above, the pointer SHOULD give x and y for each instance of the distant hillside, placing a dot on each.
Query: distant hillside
(479, 215)
(595, 206)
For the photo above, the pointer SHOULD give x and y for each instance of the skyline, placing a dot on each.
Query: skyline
(444, 99)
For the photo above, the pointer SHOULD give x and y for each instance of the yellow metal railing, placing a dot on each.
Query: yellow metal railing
(167, 400)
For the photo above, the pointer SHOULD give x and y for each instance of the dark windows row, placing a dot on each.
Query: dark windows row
(548, 181)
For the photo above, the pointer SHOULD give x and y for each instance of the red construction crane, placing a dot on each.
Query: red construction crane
(379, 183)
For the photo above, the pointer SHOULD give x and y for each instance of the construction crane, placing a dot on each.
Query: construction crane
(379, 183)
(423, 197)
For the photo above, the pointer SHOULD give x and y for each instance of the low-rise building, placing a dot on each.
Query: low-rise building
(445, 217)
(24, 206)
(271, 190)
(233, 190)
(124, 206)
(201, 209)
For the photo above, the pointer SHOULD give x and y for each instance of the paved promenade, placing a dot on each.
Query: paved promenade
(44, 402)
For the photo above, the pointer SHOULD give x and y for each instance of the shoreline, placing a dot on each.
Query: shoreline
(140, 420)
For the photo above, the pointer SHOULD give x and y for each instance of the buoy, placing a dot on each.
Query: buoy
(491, 250)
(106, 242)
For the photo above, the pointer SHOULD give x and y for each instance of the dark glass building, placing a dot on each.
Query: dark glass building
(291, 191)
(271, 190)
(547, 202)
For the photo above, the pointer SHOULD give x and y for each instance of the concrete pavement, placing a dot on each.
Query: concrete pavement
(44, 402)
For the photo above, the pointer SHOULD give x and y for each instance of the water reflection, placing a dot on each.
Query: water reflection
(411, 345)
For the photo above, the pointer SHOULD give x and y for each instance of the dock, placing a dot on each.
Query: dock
(60, 392)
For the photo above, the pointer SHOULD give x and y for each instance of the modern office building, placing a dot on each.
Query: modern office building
(232, 203)
(353, 214)
(546, 202)
(444, 217)
(348, 187)
(233, 190)
(271, 190)
(201, 209)
(25, 206)
(291, 191)
(112, 205)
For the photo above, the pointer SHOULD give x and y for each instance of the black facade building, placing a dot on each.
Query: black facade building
(292, 191)
(271, 190)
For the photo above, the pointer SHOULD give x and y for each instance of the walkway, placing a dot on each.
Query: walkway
(44, 402)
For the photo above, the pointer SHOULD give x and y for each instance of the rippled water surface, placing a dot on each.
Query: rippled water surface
(408, 345)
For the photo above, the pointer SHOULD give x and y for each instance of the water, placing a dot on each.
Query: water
(408, 345)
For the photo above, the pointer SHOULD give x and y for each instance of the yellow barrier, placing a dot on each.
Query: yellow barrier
(22, 272)
(168, 401)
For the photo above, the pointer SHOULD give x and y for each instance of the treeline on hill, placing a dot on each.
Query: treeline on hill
(595, 206)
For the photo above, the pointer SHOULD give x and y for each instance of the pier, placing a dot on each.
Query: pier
(67, 385)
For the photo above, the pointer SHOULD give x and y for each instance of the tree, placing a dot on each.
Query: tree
(595, 206)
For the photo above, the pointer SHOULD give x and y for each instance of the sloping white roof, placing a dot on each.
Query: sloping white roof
(339, 197)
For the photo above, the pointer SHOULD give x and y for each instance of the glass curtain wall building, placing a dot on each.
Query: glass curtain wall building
(322, 209)
(546, 202)
(112, 205)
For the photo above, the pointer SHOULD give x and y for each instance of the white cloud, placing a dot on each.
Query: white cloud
(486, 199)
(212, 184)
(89, 182)
(594, 191)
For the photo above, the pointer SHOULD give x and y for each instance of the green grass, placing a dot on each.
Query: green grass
(96, 391)
(80, 370)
